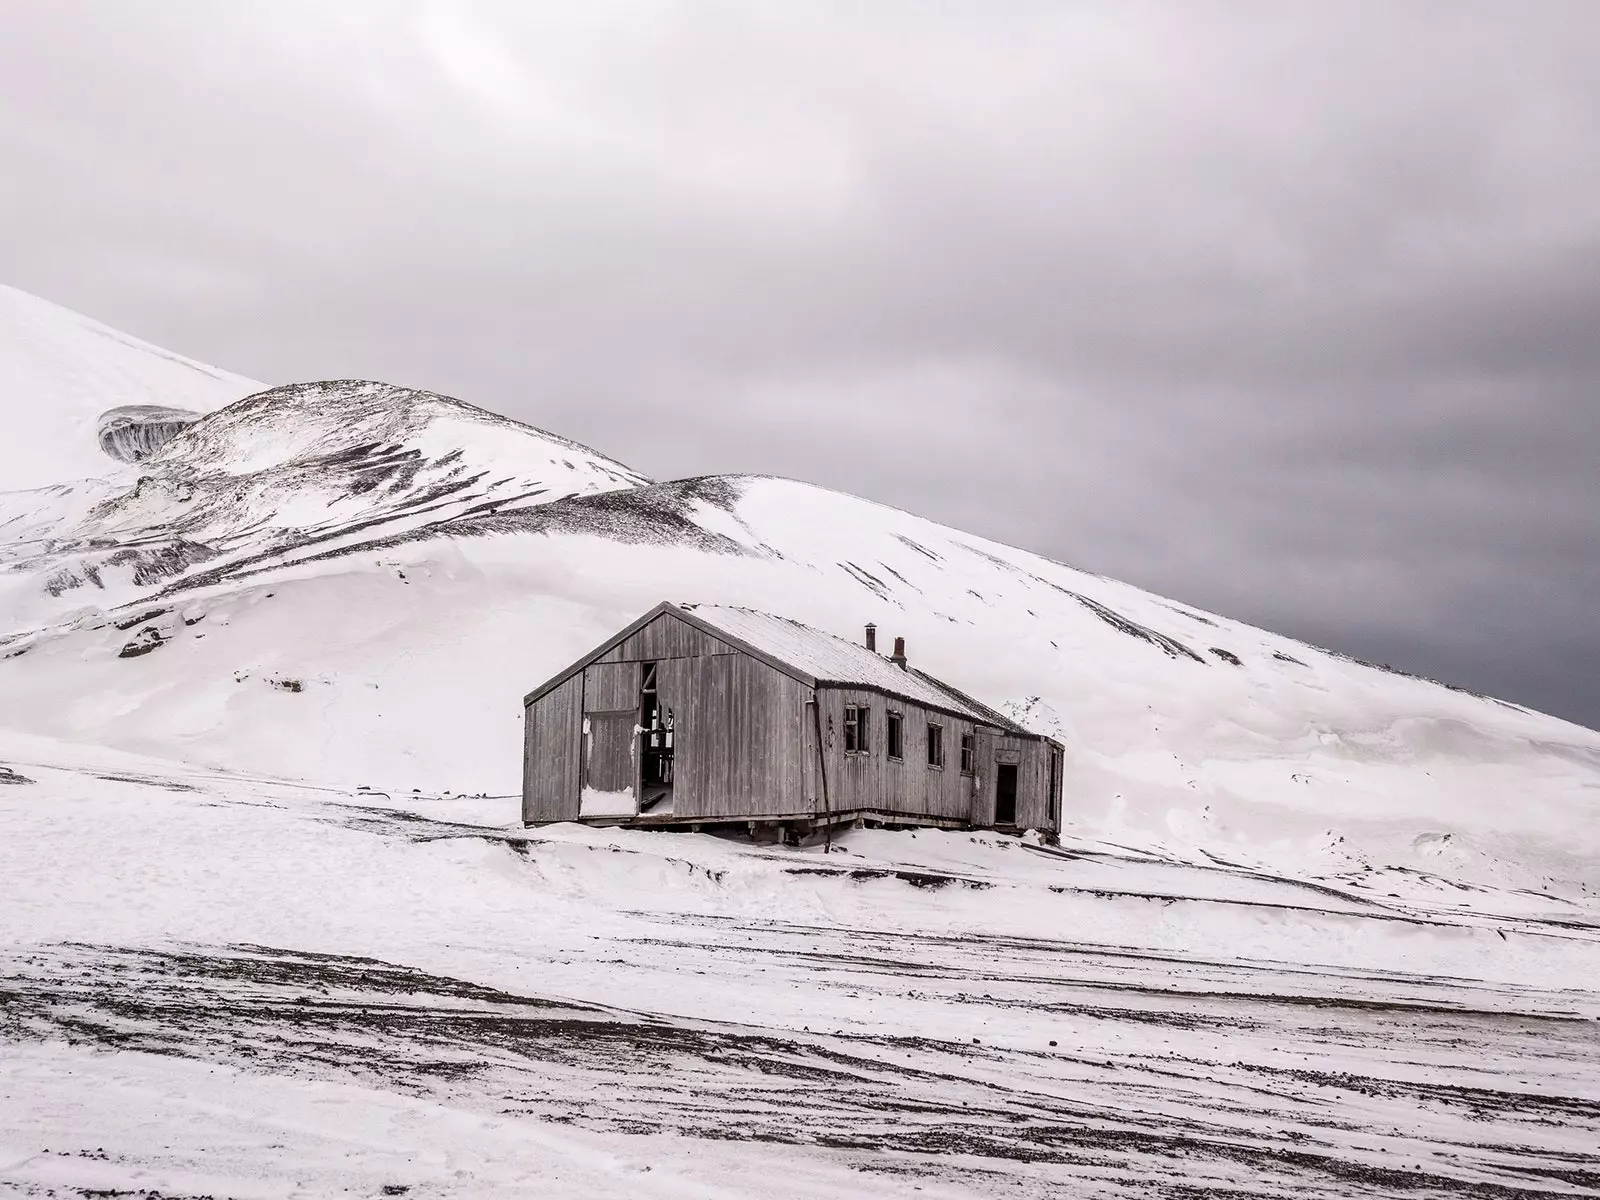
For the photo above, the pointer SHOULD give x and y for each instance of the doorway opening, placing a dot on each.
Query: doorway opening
(655, 747)
(1005, 794)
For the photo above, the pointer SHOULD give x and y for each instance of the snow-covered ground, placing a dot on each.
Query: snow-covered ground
(219, 983)
(268, 928)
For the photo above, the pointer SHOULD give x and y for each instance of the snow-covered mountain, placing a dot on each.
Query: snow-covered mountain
(309, 469)
(357, 582)
(60, 372)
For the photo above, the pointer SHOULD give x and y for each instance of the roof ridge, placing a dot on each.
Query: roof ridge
(884, 678)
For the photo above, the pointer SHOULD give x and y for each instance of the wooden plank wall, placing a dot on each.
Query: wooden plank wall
(1033, 806)
(665, 637)
(551, 756)
(611, 687)
(909, 786)
(740, 738)
(1033, 780)
(746, 748)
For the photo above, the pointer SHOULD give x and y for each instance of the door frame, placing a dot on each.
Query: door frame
(1016, 788)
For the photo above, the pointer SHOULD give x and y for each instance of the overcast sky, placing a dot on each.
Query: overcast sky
(1287, 310)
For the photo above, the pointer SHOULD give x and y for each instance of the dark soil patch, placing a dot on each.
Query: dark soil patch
(917, 879)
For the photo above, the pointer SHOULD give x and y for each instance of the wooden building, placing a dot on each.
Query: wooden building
(697, 715)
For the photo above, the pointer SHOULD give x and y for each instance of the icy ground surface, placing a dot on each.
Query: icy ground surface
(220, 984)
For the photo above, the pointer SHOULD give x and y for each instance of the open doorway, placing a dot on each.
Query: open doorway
(1005, 794)
(655, 747)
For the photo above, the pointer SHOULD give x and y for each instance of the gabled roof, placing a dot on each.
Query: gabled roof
(830, 659)
(811, 656)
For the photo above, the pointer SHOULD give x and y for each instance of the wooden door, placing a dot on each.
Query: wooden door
(610, 765)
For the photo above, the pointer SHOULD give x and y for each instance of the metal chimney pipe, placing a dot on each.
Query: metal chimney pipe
(872, 636)
(898, 658)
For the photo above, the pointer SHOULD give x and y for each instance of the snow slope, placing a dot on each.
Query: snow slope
(402, 662)
(284, 474)
(60, 371)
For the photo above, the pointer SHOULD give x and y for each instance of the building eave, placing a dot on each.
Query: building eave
(667, 608)
(566, 673)
(997, 722)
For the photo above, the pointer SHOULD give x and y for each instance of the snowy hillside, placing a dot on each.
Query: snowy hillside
(396, 652)
(282, 475)
(59, 372)
(1314, 928)
(357, 582)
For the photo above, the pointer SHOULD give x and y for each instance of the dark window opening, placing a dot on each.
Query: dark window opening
(896, 736)
(936, 746)
(969, 753)
(1055, 788)
(655, 746)
(1005, 794)
(857, 729)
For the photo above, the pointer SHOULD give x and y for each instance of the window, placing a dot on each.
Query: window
(897, 742)
(969, 753)
(857, 729)
(936, 745)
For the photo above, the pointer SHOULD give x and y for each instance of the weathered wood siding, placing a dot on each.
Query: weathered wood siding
(740, 740)
(552, 731)
(611, 687)
(746, 746)
(1032, 759)
(665, 637)
(908, 786)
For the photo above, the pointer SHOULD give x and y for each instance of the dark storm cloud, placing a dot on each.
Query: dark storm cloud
(1285, 309)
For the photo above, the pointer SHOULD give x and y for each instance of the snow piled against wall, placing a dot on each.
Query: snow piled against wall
(597, 803)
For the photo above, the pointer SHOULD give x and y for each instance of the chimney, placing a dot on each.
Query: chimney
(898, 658)
(872, 636)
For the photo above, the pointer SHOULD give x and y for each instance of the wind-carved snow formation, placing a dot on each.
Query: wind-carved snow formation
(131, 433)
